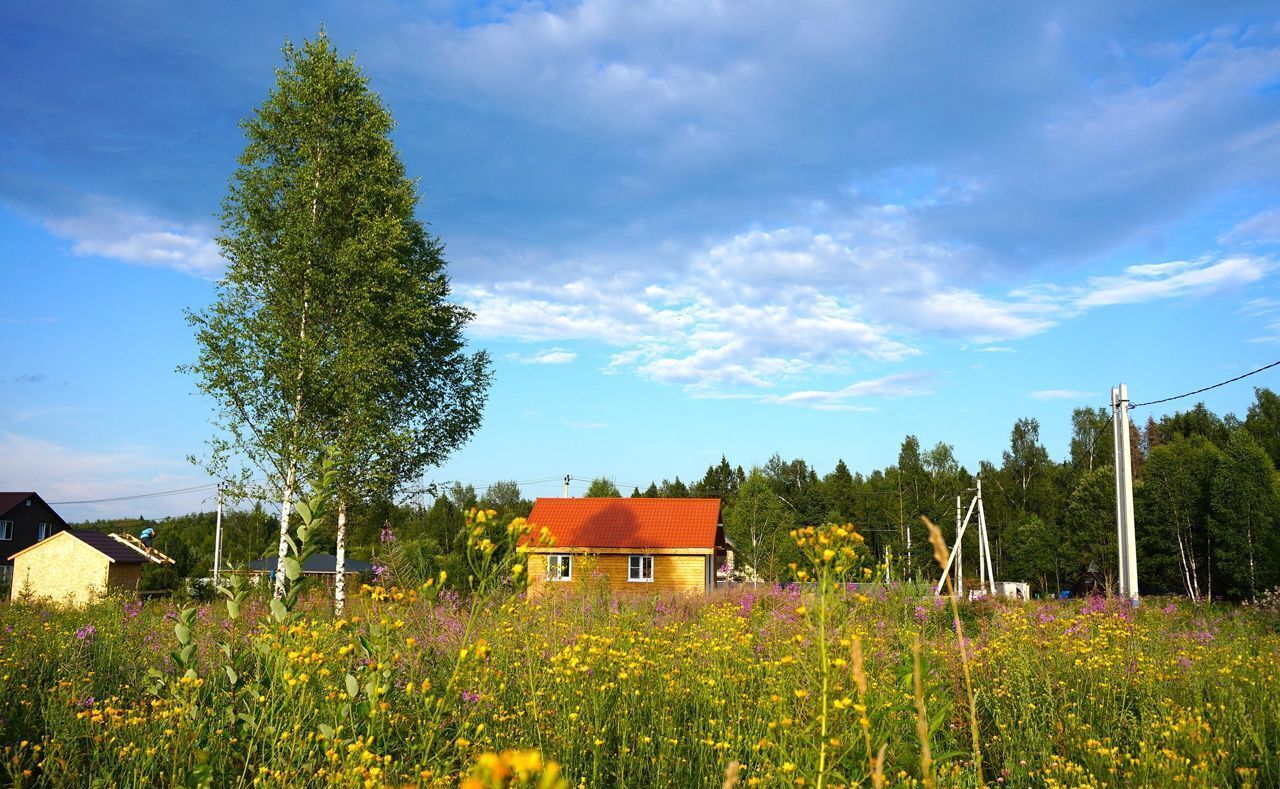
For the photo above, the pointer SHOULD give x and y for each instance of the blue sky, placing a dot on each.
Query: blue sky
(686, 229)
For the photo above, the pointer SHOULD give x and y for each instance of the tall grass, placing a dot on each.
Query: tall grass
(746, 687)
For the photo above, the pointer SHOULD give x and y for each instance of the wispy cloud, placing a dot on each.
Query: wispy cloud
(1149, 282)
(587, 425)
(549, 356)
(887, 387)
(105, 229)
(63, 473)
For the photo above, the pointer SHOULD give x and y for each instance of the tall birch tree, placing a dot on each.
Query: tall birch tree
(332, 326)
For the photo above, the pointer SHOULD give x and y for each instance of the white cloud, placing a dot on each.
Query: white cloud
(889, 386)
(766, 309)
(587, 425)
(1169, 280)
(549, 356)
(63, 473)
(111, 231)
(1263, 226)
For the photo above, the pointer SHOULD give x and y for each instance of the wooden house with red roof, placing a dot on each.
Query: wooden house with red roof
(632, 545)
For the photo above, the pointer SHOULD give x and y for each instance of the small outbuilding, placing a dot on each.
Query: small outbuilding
(74, 566)
(630, 545)
(323, 567)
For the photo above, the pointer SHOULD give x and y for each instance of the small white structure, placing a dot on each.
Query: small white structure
(1018, 590)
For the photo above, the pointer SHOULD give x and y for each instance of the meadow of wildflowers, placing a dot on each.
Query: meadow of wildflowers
(812, 685)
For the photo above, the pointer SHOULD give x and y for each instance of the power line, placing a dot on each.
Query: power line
(140, 495)
(1205, 389)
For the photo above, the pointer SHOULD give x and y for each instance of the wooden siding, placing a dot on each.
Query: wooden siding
(61, 569)
(671, 573)
(125, 577)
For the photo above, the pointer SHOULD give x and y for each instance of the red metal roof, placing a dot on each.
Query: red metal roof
(629, 523)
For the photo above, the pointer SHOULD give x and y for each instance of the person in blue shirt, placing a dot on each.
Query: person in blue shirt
(147, 536)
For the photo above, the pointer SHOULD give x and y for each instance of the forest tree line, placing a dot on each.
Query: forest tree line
(1206, 498)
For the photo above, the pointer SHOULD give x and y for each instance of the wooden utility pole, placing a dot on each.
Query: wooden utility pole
(1124, 493)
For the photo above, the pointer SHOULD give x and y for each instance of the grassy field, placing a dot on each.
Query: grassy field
(756, 686)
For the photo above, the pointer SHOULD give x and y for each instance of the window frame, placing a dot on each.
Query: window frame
(563, 562)
(636, 562)
(6, 530)
(44, 531)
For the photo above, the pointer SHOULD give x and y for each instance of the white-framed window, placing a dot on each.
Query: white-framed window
(560, 567)
(42, 531)
(640, 568)
(6, 530)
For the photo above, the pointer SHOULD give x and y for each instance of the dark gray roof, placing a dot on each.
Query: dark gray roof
(316, 563)
(109, 546)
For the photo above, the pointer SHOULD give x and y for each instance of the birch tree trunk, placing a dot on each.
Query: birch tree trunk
(291, 477)
(286, 509)
(340, 579)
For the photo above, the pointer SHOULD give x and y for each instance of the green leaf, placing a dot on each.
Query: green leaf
(304, 511)
(186, 652)
(232, 676)
(353, 687)
(278, 610)
(292, 570)
(233, 609)
(183, 633)
(326, 731)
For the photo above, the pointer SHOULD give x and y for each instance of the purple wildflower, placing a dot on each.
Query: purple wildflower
(387, 535)
(86, 633)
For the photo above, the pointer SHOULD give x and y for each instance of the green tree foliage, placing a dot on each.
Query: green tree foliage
(1088, 535)
(1199, 421)
(1091, 444)
(720, 482)
(1263, 422)
(1026, 466)
(602, 488)
(1245, 514)
(759, 524)
(332, 326)
(672, 490)
(1172, 517)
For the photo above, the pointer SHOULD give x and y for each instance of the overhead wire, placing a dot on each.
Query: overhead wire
(1204, 389)
(138, 496)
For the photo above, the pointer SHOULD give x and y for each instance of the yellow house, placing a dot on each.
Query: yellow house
(632, 545)
(75, 566)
